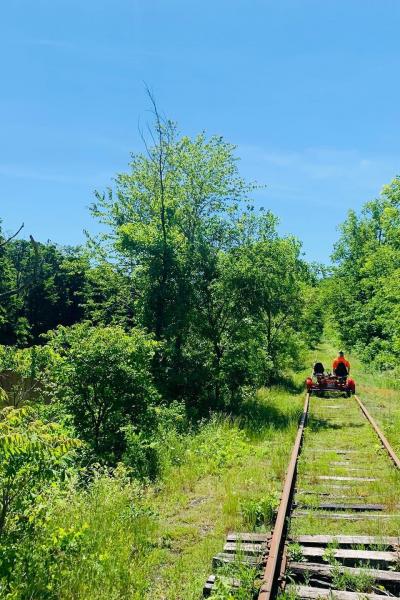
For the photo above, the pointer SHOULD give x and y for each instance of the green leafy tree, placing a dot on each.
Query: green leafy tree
(167, 218)
(363, 289)
(42, 286)
(205, 268)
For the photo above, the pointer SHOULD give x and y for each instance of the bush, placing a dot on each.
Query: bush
(103, 380)
(150, 451)
(34, 457)
(260, 512)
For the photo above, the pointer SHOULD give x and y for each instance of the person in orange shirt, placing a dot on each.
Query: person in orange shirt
(341, 366)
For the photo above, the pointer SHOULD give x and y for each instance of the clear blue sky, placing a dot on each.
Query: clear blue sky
(308, 90)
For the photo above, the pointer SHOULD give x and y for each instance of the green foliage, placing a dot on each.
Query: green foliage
(103, 380)
(41, 286)
(343, 579)
(186, 304)
(364, 290)
(83, 543)
(295, 552)
(313, 315)
(34, 456)
(260, 512)
(207, 274)
(31, 452)
(151, 451)
(227, 576)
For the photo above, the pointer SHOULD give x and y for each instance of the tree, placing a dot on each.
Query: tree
(362, 291)
(169, 216)
(44, 286)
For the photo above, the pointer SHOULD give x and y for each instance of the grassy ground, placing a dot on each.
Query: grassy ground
(195, 516)
(159, 543)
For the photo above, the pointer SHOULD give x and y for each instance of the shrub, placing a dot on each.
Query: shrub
(34, 456)
(103, 379)
(160, 444)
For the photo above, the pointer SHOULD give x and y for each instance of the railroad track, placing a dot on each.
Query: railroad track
(337, 529)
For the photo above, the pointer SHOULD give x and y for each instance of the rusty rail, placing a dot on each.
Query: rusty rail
(379, 432)
(272, 566)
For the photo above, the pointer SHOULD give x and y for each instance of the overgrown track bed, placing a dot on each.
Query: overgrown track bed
(344, 530)
(337, 530)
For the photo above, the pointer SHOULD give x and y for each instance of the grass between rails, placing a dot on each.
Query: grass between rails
(136, 543)
(380, 392)
(337, 424)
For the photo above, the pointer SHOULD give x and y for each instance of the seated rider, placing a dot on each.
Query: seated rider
(318, 369)
(341, 366)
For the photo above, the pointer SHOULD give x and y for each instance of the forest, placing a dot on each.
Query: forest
(137, 364)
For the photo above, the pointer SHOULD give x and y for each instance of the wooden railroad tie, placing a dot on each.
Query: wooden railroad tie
(357, 507)
(242, 548)
(325, 557)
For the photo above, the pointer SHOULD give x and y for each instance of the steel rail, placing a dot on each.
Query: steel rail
(379, 432)
(276, 546)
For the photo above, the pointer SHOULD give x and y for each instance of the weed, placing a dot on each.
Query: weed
(261, 512)
(329, 554)
(235, 581)
(289, 593)
(295, 552)
(343, 579)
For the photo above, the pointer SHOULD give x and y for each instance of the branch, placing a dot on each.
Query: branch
(5, 242)
(24, 285)
(12, 292)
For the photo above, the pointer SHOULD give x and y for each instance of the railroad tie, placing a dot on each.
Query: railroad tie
(356, 516)
(334, 506)
(249, 549)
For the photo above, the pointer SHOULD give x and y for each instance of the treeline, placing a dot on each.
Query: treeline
(186, 259)
(41, 286)
(364, 289)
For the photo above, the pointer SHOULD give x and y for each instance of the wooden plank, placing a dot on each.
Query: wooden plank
(332, 505)
(332, 451)
(208, 587)
(310, 593)
(248, 537)
(354, 516)
(325, 571)
(348, 540)
(333, 486)
(358, 469)
(344, 478)
(224, 558)
(356, 507)
(311, 492)
(349, 555)
(333, 497)
(244, 548)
